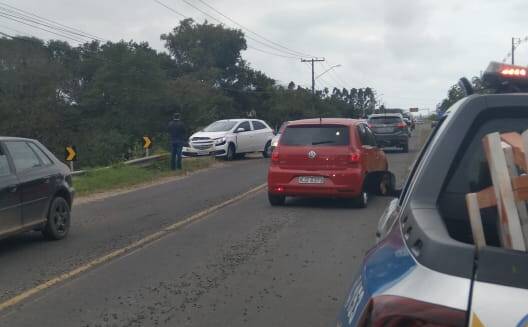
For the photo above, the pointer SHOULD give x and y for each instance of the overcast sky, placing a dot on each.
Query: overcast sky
(410, 51)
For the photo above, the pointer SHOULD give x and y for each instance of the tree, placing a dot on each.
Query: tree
(204, 46)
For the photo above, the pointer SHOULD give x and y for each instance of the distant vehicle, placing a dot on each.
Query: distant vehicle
(390, 130)
(275, 140)
(328, 157)
(231, 138)
(419, 120)
(425, 269)
(409, 120)
(36, 190)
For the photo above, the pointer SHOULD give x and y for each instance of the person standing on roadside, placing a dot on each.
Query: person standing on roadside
(177, 135)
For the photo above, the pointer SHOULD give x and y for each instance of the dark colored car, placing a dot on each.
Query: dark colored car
(425, 269)
(390, 130)
(36, 190)
(329, 157)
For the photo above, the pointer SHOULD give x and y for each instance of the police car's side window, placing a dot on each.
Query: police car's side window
(416, 163)
(472, 171)
(4, 164)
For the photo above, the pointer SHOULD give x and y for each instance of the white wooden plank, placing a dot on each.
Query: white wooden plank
(509, 221)
(475, 220)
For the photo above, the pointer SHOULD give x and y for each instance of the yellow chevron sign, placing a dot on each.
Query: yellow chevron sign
(71, 153)
(147, 142)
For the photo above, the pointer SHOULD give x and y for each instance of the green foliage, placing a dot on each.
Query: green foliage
(104, 98)
(455, 93)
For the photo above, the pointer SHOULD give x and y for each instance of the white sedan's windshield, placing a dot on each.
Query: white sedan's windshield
(220, 126)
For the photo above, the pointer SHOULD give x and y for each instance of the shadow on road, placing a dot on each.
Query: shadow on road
(21, 242)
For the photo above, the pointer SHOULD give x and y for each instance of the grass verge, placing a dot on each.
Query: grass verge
(122, 176)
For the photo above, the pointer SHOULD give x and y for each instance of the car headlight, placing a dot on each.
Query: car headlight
(220, 140)
(275, 143)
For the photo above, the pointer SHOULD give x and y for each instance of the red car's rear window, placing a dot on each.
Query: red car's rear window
(316, 135)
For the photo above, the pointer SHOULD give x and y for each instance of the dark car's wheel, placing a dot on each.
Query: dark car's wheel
(405, 147)
(58, 223)
(230, 155)
(361, 201)
(276, 200)
(267, 150)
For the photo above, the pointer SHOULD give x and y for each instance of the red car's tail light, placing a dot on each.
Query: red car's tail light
(275, 156)
(395, 311)
(354, 157)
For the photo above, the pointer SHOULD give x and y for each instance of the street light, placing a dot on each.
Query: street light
(326, 71)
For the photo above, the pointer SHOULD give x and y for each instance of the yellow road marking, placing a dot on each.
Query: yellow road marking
(112, 255)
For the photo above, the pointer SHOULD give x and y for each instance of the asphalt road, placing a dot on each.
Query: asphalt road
(246, 264)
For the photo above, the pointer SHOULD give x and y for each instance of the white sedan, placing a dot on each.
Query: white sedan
(231, 138)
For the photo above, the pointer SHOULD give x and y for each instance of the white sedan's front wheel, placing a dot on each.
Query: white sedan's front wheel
(267, 150)
(231, 151)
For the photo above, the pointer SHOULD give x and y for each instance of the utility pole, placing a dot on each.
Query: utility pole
(313, 61)
(513, 51)
(515, 42)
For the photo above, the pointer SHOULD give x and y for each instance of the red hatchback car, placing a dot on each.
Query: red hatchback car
(328, 157)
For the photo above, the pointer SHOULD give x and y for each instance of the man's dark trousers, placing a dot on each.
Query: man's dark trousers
(176, 156)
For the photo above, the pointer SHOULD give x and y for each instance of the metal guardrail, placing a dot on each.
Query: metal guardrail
(145, 161)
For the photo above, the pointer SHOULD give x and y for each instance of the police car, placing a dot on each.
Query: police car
(425, 269)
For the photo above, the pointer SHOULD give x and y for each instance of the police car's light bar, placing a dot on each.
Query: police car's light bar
(507, 71)
(510, 71)
(506, 78)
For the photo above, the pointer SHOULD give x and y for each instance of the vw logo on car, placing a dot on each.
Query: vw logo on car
(312, 154)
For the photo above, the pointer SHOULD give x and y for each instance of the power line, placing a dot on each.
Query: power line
(59, 29)
(282, 55)
(282, 52)
(334, 80)
(43, 29)
(335, 76)
(271, 53)
(171, 9)
(35, 16)
(291, 51)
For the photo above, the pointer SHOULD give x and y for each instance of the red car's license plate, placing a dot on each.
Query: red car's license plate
(311, 180)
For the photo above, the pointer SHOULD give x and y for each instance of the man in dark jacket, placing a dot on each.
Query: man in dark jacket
(178, 140)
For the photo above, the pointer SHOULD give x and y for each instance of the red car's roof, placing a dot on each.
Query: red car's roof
(331, 121)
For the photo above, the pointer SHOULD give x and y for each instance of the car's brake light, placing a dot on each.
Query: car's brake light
(401, 125)
(354, 157)
(396, 311)
(275, 156)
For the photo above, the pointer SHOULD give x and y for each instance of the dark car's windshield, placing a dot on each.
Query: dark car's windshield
(315, 135)
(390, 120)
(220, 126)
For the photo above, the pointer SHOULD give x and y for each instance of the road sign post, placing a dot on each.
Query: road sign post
(147, 144)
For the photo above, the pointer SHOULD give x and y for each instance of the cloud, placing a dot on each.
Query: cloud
(410, 50)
